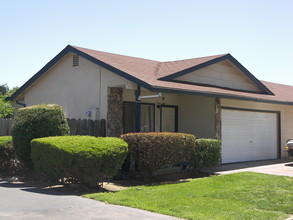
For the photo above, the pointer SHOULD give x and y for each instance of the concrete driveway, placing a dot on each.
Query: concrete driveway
(19, 201)
(273, 167)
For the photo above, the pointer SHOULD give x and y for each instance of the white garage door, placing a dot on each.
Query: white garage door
(248, 136)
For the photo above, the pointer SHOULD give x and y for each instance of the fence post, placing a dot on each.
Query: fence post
(103, 127)
(84, 128)
(97, 128)
(78, 127)
(90, 127)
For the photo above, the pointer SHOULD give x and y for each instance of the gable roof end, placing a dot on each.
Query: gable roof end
(95, 57)
(207, 61)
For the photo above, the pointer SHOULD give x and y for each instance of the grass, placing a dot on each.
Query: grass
(235, 196)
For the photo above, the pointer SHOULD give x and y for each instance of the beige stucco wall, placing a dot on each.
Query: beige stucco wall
(286, 116)
(197, 115)
(77, 89)
(64, 85)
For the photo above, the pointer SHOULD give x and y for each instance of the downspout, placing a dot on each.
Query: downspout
(137, 109)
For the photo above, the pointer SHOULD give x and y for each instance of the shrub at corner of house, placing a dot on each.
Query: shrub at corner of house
(207, 153)
(6, 152)
(156, 150)
(37, 121)
(84, 158)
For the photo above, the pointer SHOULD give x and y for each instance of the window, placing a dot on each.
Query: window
(147, 119)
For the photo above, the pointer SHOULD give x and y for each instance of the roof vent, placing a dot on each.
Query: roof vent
(75, 60)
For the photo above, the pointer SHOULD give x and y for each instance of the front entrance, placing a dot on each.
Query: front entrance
(147, 119)
(167, 118)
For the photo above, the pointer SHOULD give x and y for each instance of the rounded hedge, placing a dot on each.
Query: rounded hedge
(86, 159)
(155, 150)
(207, 153)
(35, 122)
(6, 152)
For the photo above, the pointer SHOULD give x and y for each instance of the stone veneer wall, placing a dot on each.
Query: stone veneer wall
(218, 123)
(115, 112)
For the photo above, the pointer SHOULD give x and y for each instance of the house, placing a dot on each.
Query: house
(211, 97)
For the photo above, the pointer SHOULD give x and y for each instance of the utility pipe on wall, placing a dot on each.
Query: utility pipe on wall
(137, 109)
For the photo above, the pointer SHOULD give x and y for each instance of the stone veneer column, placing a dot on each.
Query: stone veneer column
(115, 112)
(218, 123)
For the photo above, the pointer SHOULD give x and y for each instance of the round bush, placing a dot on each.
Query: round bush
(86, 159)
(207, 153)
(34, 122)
(6, 152)
(155, 150)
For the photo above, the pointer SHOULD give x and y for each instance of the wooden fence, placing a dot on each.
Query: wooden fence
(77, 127)
(5, 126)
(87, 127)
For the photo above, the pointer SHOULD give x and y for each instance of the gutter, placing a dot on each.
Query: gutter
(19, 103)
(8, 98)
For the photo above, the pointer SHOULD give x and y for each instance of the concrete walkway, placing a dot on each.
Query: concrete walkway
(273, 167)
(19, 201)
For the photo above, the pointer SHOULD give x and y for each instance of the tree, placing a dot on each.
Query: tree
(4, 89)
(6, 108)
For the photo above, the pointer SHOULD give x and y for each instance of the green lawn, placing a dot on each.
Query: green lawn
(234, 196)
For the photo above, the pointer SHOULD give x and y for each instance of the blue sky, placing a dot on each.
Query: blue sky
(258, 33)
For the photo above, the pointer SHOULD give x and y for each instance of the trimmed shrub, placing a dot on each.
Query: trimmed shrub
(35, 122)
(6, 152)
(155, 150)
(84, 158)
(207, 153)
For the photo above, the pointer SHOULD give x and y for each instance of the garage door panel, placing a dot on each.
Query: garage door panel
(248, 135)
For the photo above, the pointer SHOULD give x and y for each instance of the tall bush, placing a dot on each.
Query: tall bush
(6, 152)
(155, 150)
(207, 153)
(84, 158)
(35, 122)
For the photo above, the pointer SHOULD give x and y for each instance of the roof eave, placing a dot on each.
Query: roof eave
(219, 95)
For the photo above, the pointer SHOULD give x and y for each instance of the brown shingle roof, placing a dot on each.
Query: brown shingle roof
(168, 68)
(145, 69)
(142, 69)
(149, 73)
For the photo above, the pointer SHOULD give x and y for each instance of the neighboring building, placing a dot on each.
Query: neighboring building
(211, 97)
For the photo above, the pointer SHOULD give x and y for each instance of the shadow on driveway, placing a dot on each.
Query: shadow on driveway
(30, 187)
